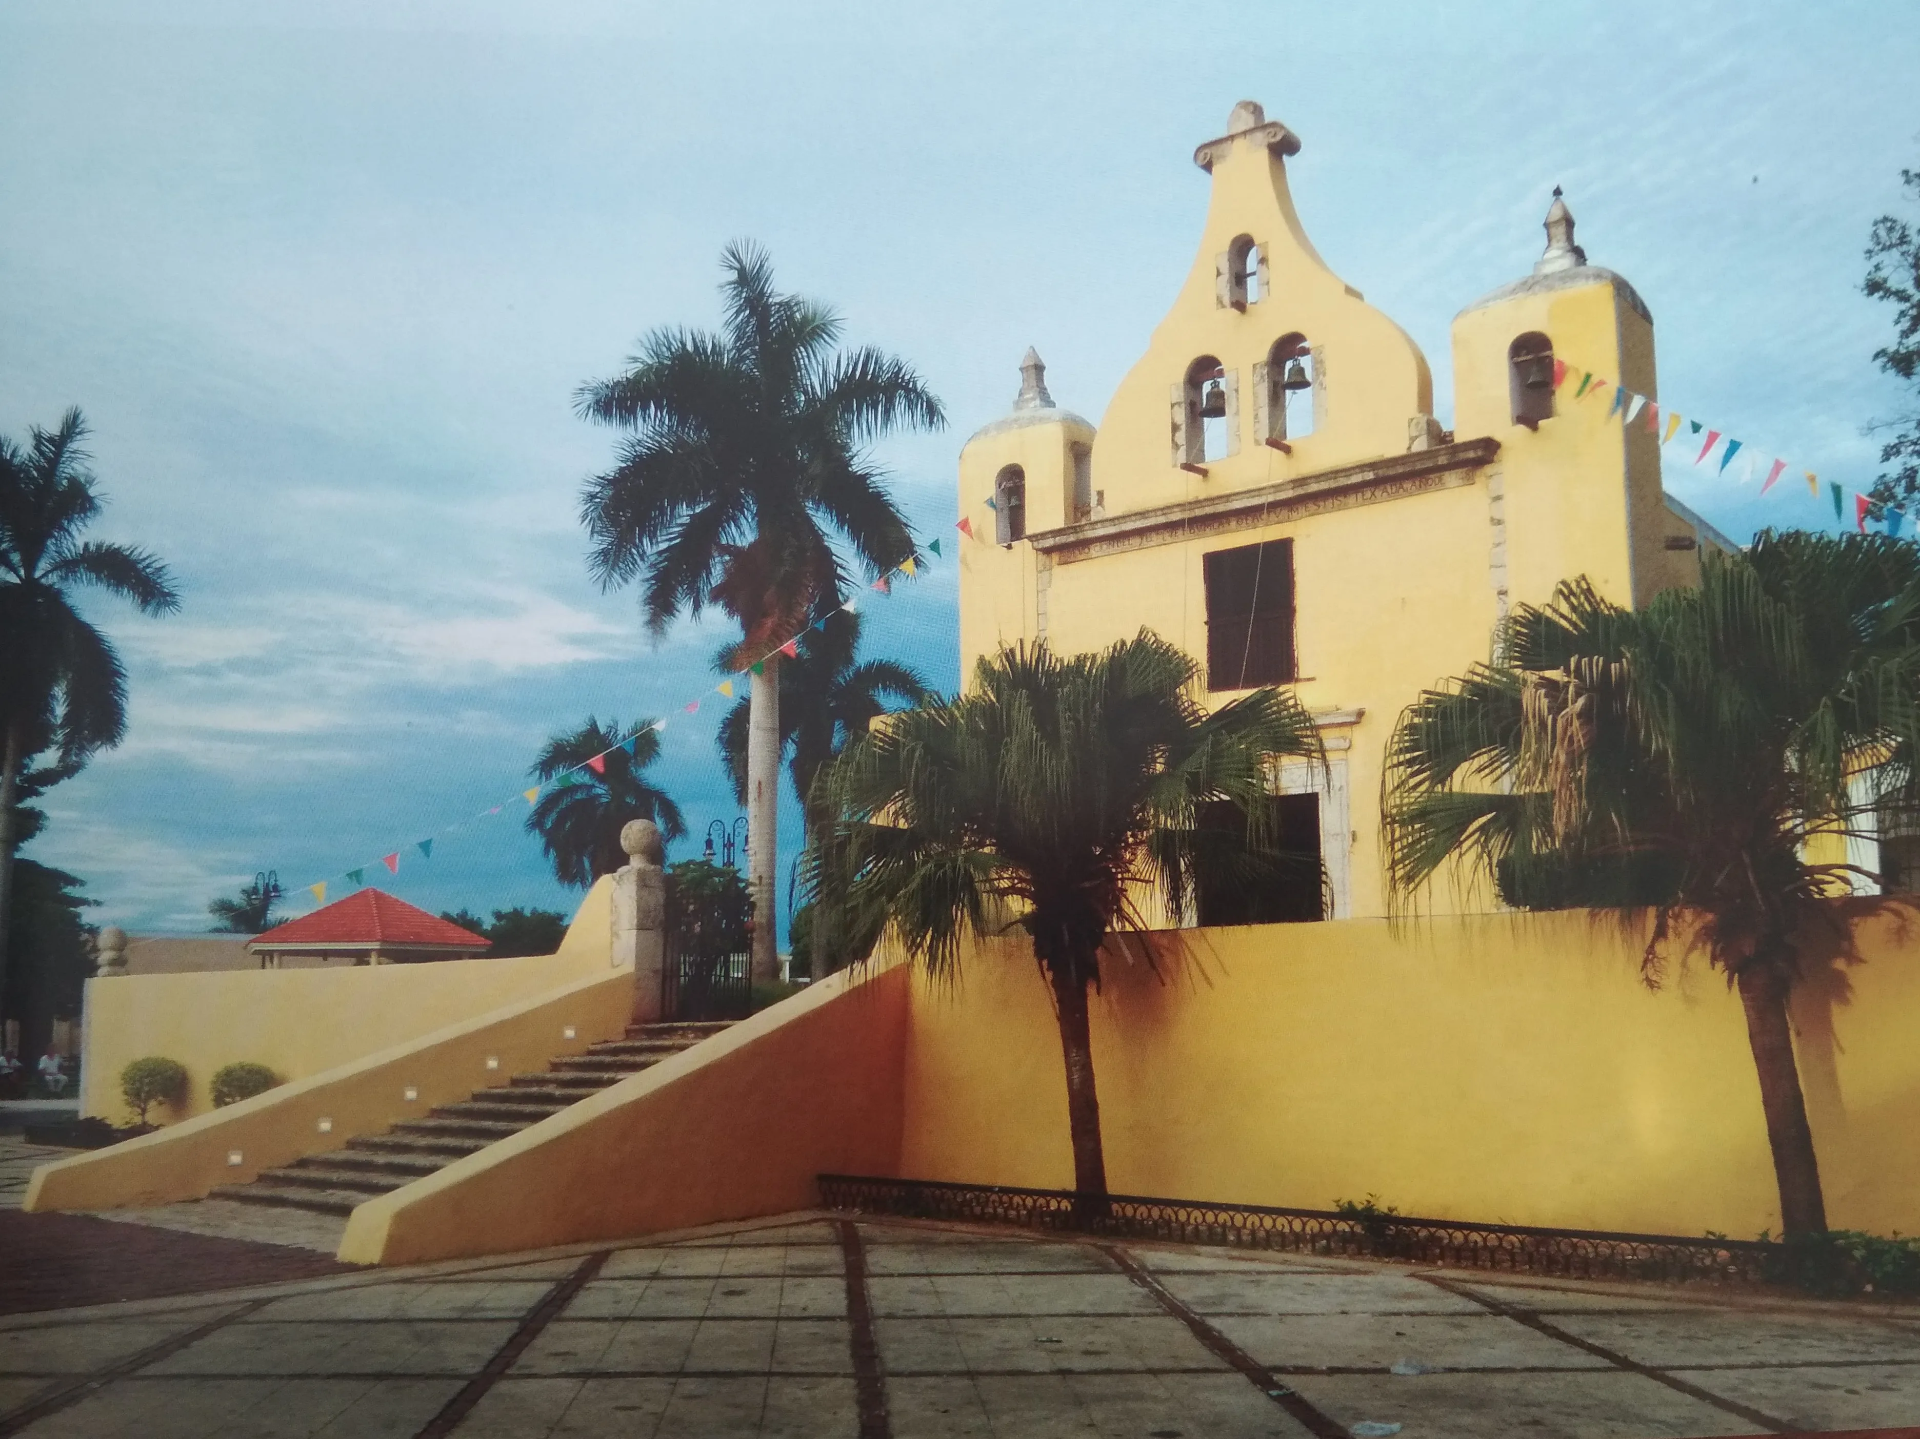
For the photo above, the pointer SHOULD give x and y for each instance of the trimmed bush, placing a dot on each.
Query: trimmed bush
(235, 1082)
(150, 1081)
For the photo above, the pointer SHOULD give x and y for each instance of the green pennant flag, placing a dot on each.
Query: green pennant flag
(1585, 380)
(934, 546)
(354, 877)
(1696, 427)
(759, 667)
(1837, 516)
(426, 848)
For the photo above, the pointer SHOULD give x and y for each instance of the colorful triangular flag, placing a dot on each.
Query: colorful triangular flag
(1653, 418)
(1733, 448)
(692, 708)
(1673, 423)
(631, 743)
(965, 527)
(1713, 438)
(1813, 484)
(934, 546)
(1861, 505)
(1560, 368)
(1772, 475)
(1620, 397)
(990, 503)
(881, 585)
(1585, 380)
(726, 688)
(319, 892)
(759, 667)
(425, 847)
(852, 606)
(791, 649)
(356, 877)
(1693, 427)
(530, 795)
(1894, 516)
(1834, 488)
(598, 764)
(908, 565)
(391, 861)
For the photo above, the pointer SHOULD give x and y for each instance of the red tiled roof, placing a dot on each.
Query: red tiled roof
(369, 917)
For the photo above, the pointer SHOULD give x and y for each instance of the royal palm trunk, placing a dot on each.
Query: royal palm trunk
(763, 815)
(1763, 995)
(1083, 1101)
(11, 761)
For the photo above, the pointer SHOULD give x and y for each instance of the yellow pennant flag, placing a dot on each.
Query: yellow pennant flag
(1813, 484)
(908, 566)
(319, 892)
(726, 688)
(1673, 423)
(530, 795)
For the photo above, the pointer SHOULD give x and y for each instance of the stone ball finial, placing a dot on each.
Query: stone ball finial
(1247, 115)
(111, 947)
(640, 838)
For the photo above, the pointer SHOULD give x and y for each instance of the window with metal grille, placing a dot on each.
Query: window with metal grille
(1250, 616)
(1291, 889)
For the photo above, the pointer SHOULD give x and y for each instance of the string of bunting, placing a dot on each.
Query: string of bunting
(597, 764)
(1665, 425)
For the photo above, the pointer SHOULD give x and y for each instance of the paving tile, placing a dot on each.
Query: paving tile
(1181, 1406)
(1730, 1337)
(347, 1347)
(1375, 1341)
(1254, 1293)
(1552, 1299)
(1871, 1396)
(251, 1409)
(813, 1346)
(936, 1408)
(713, 1409)
(547, 1269)
(742, 1346)
(809, 1408)
(528, 1408)
(811, 1232)
(503, 1299)
(997, 1294)
(1043, 1406)
(1039, 1344)
(83, 1348)
(1174, 1261)
(985, 1258)
(1610, 1404)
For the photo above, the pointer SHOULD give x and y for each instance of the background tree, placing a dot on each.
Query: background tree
(1893, 275)
(61, 684)
(747, 459)
(579, 822)
(515, 932)
(1048, 799)
(828, 697)
(1682, 756)
(252, 911)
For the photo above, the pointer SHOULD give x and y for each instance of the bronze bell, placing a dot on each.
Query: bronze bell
(1213, 404)
(1536, 371)
(1297, 377)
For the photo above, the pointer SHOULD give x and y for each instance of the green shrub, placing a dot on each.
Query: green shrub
(767, 995)
(150, 1081)
(1846, 1261)
(235, 1082)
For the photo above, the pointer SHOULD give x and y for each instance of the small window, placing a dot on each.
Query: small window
(1530, 379)
(1010, 504)
(1206, 414)
(1241, 274)
(1082, 507)
(1294, 892)
(1250, 616)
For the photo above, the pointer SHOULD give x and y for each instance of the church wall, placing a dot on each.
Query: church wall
(1500, 1068)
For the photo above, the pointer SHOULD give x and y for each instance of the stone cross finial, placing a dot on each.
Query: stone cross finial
(1561, 252)
(1033, 384)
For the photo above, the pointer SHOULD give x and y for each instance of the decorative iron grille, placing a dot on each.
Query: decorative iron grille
(1568, 1253)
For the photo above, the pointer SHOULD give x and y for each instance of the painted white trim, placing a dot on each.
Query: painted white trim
(1336, 824)
(1863, 848)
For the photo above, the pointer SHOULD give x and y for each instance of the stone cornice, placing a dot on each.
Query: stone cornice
(1371, 482)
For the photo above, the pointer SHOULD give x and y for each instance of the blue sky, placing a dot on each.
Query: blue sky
(324, 278)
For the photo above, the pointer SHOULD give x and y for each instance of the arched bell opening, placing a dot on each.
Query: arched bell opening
(1530, 379)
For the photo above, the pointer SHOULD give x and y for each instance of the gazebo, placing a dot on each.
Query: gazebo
(369, 926)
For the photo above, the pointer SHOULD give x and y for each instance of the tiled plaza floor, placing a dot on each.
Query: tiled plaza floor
(812, 1326)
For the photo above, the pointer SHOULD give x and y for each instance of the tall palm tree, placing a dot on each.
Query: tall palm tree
(1048, 798)
(252, 911)
(747, 459)
(579, 821)
(61, 684)
(828, 698)
(1681, 756)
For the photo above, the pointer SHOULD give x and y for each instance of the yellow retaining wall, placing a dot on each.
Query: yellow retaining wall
(1480, 1067)
(303, 1022)
(736, 1127)
(185, 1160)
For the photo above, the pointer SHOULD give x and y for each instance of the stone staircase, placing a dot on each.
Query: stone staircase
(335, 1182)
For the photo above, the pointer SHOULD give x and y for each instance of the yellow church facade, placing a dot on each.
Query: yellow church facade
(1270, 490)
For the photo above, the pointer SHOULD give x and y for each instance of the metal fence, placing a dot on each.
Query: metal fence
(695, 987)
(1570, 1253)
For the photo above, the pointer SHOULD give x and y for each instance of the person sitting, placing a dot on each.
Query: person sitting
(52, 1075)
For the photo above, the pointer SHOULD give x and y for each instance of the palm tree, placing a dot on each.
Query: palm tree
(252, 912)
(1681, 756)
(61, 684)
(827, 700)
(580, 818)
(747, 457)
(1048, 799)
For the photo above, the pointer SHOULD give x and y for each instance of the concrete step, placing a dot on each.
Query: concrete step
(692, 1031)
(436, 1128)
(403, 1166)
(607, 1067)
(537, 1096)
(519, 1115)
(558, 1079)
(354, 1181)
(446, 1148)
(319, 1201)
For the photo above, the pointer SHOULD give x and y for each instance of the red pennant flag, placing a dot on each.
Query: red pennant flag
(598, 764)
(1653, 418)
(1713, 438)
(882, 586)
(694, 708)
(791, 649)
(1773, 474)
(1861, 504)
(965, 527)
(1559, 372)
(391, 861)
